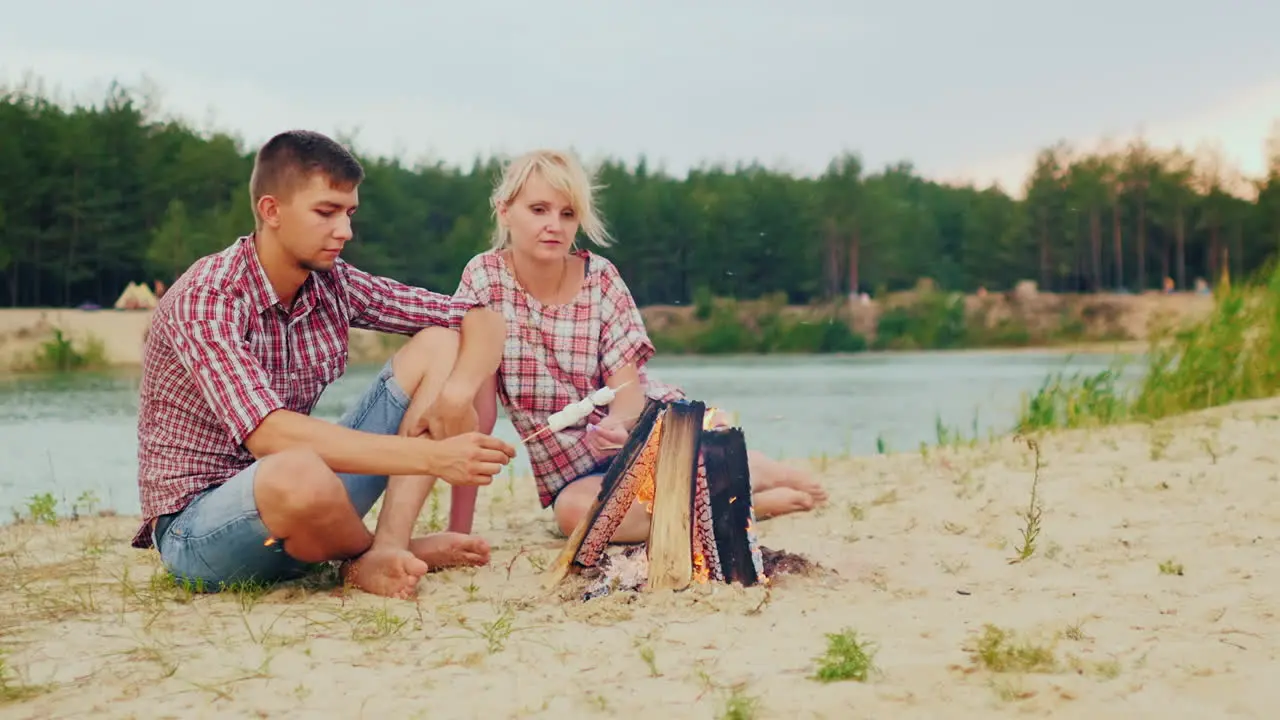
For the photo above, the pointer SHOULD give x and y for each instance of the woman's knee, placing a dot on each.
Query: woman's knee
(572, 503)
(431, 350)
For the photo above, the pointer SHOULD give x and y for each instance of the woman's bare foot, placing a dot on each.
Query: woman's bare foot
(803, 481)
(385, 571)
(450, 549)
(769, 474)
(780, 501)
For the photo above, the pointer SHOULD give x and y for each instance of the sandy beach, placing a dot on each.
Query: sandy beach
(1150, 591)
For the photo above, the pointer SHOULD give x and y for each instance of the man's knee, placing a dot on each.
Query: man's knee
(297, 483)
(433, 349)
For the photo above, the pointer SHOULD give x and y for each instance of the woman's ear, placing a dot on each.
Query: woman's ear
(502, 213)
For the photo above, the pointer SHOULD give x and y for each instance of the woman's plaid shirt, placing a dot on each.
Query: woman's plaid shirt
(558, 354)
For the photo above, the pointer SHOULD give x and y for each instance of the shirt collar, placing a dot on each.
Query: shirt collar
(263, 296)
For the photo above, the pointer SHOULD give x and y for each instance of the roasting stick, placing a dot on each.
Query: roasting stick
(576, 412)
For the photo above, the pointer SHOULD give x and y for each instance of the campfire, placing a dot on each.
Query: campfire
(691, 474)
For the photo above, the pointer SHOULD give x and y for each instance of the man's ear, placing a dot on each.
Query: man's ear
(269, 210)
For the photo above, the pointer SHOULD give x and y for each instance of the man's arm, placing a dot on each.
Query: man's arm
(206, 330)
(343, 449)
(483, 334)
(389, 306)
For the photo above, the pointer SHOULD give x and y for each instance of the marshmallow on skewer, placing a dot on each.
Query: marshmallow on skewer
(575, 412)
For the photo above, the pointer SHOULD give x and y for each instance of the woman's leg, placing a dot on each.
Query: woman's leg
(576, 499)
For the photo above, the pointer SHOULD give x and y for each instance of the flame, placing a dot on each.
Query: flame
(646, 464)
(701, 572)
(709, 418)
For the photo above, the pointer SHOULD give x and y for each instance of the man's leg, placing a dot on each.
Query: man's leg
(288, 510)
(221, 537)
(396, 561)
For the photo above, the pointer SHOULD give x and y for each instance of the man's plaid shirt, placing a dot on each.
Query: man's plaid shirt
(222, 353)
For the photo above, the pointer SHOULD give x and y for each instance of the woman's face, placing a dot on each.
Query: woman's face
(541, 220)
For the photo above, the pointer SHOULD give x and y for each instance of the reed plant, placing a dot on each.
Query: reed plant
(1233, 354)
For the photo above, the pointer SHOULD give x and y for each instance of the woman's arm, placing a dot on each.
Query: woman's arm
(624, 348)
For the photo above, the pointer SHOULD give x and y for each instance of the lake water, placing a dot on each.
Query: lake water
(73, 434)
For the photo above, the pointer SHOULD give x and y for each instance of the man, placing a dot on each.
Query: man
(237, 481)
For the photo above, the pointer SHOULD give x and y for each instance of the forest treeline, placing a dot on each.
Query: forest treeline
(93, 196)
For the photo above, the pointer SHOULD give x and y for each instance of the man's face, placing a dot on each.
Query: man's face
(314, 223)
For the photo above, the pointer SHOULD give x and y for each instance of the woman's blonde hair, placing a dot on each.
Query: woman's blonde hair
(563, 172)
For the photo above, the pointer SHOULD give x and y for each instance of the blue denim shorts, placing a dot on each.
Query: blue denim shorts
(218, 539)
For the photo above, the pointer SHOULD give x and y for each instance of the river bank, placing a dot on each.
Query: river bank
(904, 321)
(1149, 588)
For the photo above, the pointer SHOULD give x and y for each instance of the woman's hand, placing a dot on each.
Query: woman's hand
(606, 438)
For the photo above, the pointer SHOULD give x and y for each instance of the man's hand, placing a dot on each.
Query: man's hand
(451, 414)
(472, 458)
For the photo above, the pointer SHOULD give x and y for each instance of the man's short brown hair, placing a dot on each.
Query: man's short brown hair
(288, 160)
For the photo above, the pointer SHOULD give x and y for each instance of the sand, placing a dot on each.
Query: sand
(1151, 591)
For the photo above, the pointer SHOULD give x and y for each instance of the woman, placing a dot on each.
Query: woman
(573, 327)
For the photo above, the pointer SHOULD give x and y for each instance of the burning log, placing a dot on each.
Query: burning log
(671, 541)
(696, 483)
(733, 516)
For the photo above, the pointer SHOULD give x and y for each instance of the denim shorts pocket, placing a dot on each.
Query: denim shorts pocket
(179, 556)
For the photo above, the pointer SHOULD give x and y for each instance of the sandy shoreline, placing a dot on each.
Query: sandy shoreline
(1152, 592)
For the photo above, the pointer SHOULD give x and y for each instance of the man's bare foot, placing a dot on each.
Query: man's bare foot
(385, 571)
(780, 501)
(450, 549)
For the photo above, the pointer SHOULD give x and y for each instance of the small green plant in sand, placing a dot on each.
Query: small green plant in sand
(375, 624)
(12, 688)
(1169, 567)
(1160, 438)
(435, 521)
(740, 706)
(1001, 651)
(882, 445)
(1031, 517)
(650, 660)
(85, 505)
(847, 658)
(43, 508)
(496, 632)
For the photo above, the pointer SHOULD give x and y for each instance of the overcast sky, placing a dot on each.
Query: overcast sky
(962, 89)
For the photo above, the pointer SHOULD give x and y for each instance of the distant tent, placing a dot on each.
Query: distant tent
(136, 296)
